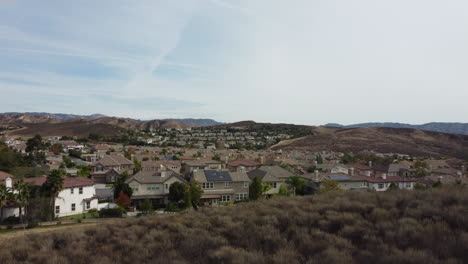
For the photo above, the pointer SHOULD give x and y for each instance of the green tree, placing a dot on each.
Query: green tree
(147, 206)
(217, 157)
(437, 184)
(177, 192)
(84, 170)
(297, 183)
(266, 187)
(393, 186)
(195, 194)
(348, 158)
(255, 189)
(319, 159)
(329, 186)
(34, 144)
(21, 196)
(283, 190)
(4, 198)
(121, 185)
(136, 165)
(51, 188)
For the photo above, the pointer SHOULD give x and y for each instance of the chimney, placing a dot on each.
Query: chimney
(9, 183)
(370, 163)
(351, 171)
(384, 176)
(368, 173)
(463, 168)
(262, 160)
(316, 172)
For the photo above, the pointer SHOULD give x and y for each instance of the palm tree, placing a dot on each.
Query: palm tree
(21, 196)
(297, 183)
(4, 197)
(51, 188)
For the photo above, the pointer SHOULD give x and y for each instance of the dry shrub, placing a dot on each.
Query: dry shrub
(394, 227)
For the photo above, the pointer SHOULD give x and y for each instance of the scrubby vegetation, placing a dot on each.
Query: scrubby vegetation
(338, 227)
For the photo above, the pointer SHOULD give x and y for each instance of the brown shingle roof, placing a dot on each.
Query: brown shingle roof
(113, 160)
(68, 182)
(245, 163)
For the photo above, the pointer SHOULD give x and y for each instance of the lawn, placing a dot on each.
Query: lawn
(80, 216)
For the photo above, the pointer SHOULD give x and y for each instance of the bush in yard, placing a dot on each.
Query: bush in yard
(111, 212)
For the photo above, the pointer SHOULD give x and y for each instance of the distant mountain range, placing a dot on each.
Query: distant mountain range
(454, 128)
(42, 115)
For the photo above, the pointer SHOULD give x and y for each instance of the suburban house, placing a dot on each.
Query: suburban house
(243, 165)
(10, 208)
(222, 186)
(153, 185)
(194, 165)
(109, 167)
(101, 150)
(267, 177)
(273, 172)
(349, 182)
(77, 196)
(373, 182)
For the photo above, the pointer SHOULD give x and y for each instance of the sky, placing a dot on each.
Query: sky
(304, 61)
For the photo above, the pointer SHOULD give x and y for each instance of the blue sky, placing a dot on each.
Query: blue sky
(303, 61)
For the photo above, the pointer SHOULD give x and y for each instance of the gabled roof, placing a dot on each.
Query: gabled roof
(270, 171)
(68, 182)
(150, 177)
(217, 176)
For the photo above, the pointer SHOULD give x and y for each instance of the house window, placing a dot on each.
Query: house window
(57, 209)
(225, 198)
(408, 185)
(226, 184)
(241, 196)
(273, 185)
(246, 184)
(80, 190)
(88, 205)
(73, 207)
(380, 186)
(207, 185)
(113, 178)
(152, 187)
(71, 190)
(134, 188)
(166, 186)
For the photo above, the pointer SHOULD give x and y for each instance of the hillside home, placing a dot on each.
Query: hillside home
(77, 196)
(153, 185)
(109, 167)
(269, 176)
(243, 165)
(222, 186)
(10, 208)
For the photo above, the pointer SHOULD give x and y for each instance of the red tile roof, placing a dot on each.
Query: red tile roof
(68, 182)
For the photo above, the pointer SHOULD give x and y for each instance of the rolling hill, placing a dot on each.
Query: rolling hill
(454, 128)
(382, 140)
(48, 125)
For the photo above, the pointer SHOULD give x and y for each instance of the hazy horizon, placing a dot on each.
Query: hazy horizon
(301, 62)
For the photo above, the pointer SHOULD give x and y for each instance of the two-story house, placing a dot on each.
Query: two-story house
(77, 196)
(268, 176)
(153, 185)
(109, 167)
(222, 186)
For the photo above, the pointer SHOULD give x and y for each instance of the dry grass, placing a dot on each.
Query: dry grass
(392, 227)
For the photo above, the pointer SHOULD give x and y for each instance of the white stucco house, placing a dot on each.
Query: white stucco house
(78, 195)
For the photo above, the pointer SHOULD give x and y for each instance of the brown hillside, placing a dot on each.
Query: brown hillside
(50, 126)
(383, 140)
